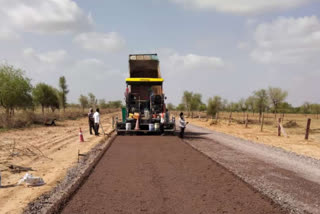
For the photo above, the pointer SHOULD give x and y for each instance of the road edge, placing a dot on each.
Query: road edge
(54, 201)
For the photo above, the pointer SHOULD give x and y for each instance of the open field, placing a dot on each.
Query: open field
(27, 118)
(49, 151)
(294, 126)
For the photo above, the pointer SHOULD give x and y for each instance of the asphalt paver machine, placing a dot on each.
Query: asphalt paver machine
(145, 110)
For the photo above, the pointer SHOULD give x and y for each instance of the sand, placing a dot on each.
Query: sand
(294, 142)
(50, 151)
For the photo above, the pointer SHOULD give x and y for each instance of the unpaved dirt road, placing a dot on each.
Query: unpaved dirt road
(162, 174)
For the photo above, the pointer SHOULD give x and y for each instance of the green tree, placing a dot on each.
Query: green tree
(285, 107)
(192, 101)
(261, 101)
(233, 107)
(15, 89)
(54, 99)
(84, 101)
(242, 105)
(63, 92)
(250, 103)
(115, 104)
(277, 96)
(170, 107)
(187, 100)
(215, 104)
(181, 107)
(306, 108)
(196, 102)
(92, 100)
(203, 107)
(103, 103)
(315, 109)
(46, 96)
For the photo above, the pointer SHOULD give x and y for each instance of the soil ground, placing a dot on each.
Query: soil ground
(289, 179)
(294, 142)
(156, 174)
(49, 151)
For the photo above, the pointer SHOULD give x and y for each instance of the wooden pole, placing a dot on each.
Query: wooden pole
(246, 122)
(217, 117)
(230, 118)
(262, 121)
(308, 129)
(279, 127)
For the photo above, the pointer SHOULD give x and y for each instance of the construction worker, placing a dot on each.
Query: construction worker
(96, 117)
(167, 116)
(91, 121)
(182, 125)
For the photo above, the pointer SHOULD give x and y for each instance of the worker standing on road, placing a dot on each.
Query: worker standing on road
(91, 120)
(96, 117)
(167, 116)
(182, 124)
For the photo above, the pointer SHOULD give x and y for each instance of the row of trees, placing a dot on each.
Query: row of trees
(17, 92)
(93, 102)
(263, 100)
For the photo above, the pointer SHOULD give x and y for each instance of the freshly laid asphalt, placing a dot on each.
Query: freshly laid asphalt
(162, 174)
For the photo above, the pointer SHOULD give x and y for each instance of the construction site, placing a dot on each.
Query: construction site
(139, 164)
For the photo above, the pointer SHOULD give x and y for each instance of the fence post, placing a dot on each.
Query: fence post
(308, 129)
(246, 122)
(279, 127)
(262, 121)
(230, 118)
(217, 117)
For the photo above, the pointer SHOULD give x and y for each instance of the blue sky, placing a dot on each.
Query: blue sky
(219, 47)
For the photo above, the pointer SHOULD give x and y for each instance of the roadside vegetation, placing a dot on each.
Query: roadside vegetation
(271, 100)
(23, 104)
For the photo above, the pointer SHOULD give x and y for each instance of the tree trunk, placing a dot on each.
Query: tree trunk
(8, 113)
(244, 116)
(260, 115)
(42, 108)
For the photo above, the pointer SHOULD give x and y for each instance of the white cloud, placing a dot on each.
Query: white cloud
(91, 64)
(174, 63)
(288, 41)
(51, 57)
(242, 7)
(8, 35)
(50, 16)
(195, 62)
(243, 45)
(100, 42)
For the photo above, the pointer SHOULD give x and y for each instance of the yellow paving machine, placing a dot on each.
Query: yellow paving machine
(145, 110)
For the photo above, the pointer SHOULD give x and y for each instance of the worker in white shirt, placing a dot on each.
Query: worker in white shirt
(182, 124)
(96, 117)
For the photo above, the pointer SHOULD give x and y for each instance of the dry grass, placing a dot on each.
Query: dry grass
(27, 118)
(295, 126)
(49, 151)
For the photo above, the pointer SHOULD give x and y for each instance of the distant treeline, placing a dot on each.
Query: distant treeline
(17, 92)
(263, 100)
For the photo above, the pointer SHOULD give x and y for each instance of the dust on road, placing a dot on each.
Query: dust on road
(148, 174)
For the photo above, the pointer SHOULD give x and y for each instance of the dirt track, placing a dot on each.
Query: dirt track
(147, 174)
